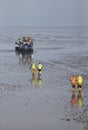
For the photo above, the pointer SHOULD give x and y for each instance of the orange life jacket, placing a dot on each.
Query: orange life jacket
(73, 80)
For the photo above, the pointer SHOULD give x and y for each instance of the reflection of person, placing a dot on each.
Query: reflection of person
(39, 82)
(36, 82)
(79, 99)
(73, 81)
(33, 81)
(73, 99)
(79, 82)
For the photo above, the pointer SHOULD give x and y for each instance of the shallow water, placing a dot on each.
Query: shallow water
(43, 104)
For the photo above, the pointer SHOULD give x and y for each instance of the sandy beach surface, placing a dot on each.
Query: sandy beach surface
(27, 104)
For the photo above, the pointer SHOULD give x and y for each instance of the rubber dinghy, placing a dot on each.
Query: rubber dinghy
(25, 44)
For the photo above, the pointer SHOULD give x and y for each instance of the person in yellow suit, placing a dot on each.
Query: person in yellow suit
(79, 82)
(33, 69)
(39, 68)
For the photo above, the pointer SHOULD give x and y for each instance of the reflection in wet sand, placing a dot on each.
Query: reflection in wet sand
(79, 99)
(33, 82)
(73, 99)
(76, 100)
(39, 80)
(36, 82)
(25, 58)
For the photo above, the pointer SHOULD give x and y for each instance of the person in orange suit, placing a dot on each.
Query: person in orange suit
(73, 81)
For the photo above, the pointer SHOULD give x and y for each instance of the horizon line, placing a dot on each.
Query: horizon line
(44, 26)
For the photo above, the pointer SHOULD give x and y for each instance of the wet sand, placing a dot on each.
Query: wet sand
(27, 104)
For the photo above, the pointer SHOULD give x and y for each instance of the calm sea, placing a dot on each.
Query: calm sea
(49, 30)
(45, 34)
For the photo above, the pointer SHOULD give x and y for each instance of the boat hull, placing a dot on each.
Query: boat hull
(24, 48)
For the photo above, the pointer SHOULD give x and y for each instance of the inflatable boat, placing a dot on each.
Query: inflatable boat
(25, 44)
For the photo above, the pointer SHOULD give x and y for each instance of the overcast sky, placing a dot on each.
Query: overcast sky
(43, 12)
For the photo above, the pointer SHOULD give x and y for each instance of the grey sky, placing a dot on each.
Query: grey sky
(43, 12)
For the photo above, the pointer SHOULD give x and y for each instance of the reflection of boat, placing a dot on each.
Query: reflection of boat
(25, 58)
(25, 44)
